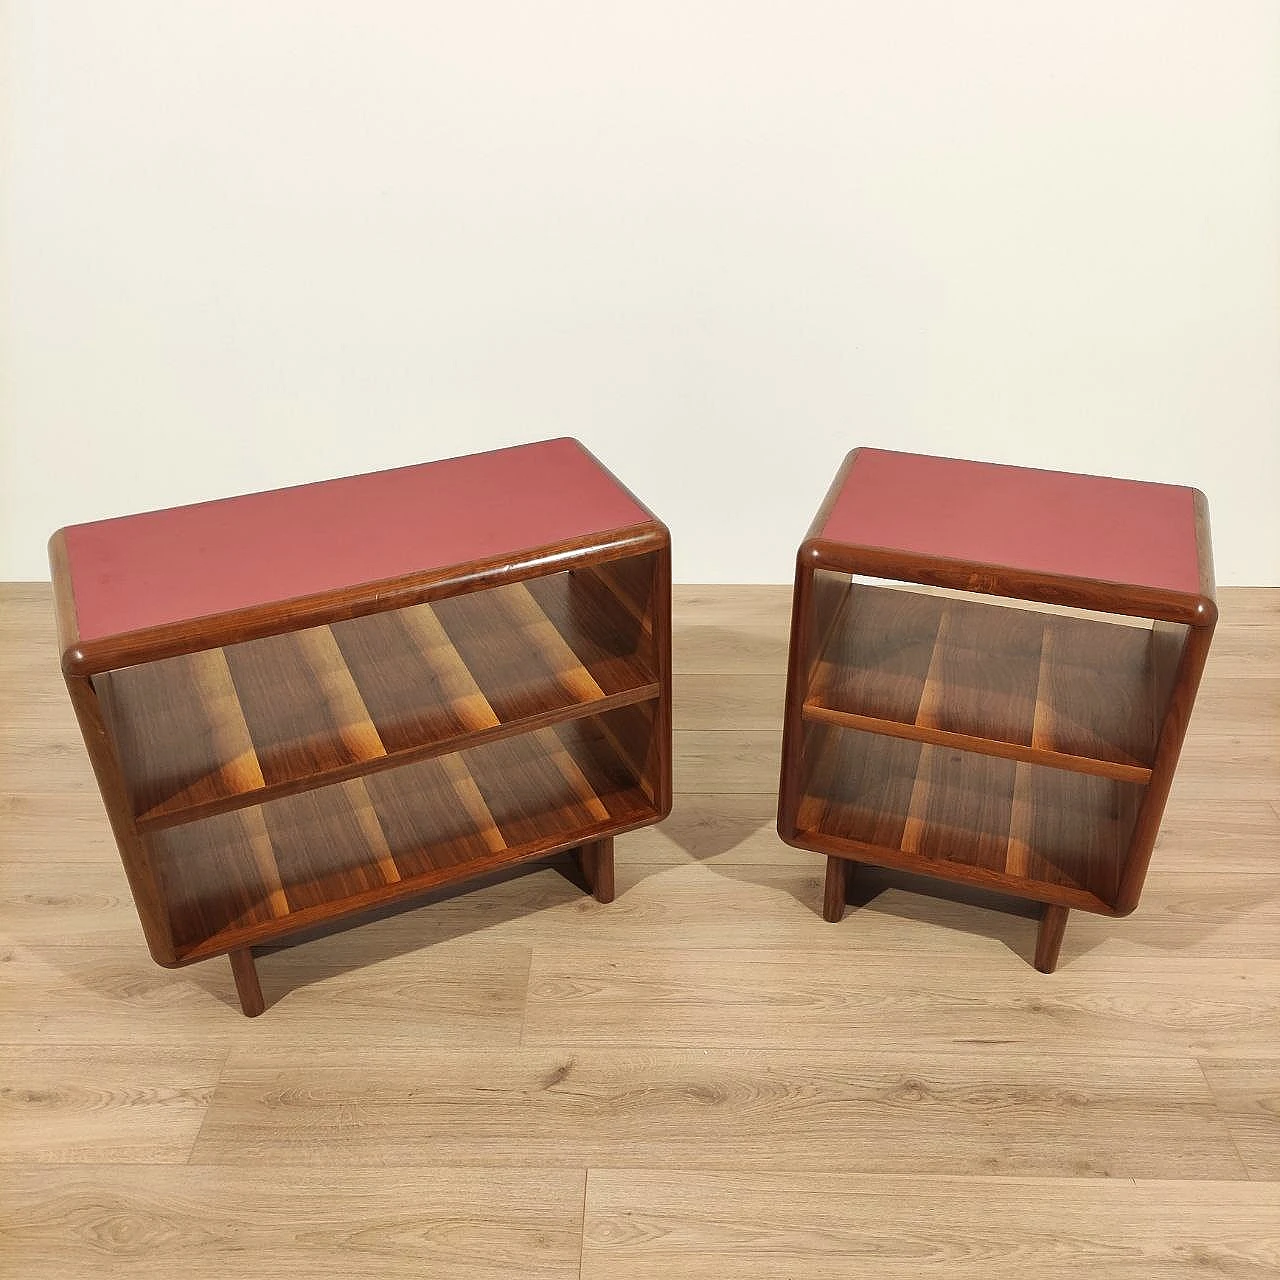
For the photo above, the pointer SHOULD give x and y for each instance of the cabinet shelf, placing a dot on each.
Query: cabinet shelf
(1070, 692)
(1000, 823)
(224, 729)
(241, 877)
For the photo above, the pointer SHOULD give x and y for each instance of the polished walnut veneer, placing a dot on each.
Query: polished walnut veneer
(961, 715)
(274, 761)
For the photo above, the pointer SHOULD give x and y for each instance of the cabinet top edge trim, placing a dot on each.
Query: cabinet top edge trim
(1196, 610)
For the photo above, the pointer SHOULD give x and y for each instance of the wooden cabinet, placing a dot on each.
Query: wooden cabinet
(292, 759)
(974, 717)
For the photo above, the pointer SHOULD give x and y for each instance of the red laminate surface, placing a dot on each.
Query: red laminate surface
(162, 567)
(1054, 522)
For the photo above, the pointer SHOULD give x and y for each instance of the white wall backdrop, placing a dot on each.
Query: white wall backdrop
(721, 241)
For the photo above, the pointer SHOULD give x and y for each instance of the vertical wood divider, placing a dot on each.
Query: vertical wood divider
(918, 807)
(458, 684)
(1042, 714)
(1018, 855)
(472, 799)
(931, 692)
(366, 815)
(568, 666)
(559, 755)
(264, 858)
(216, 688)
(319, 649)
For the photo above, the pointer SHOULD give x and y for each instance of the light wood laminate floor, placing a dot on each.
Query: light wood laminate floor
(702, 1079)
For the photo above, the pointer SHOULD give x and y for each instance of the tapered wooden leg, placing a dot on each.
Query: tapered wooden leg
(836, 890)
(247, 986)
(597, 868)
(1053, 924)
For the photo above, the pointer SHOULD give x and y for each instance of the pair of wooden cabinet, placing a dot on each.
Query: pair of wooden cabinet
(303, 704)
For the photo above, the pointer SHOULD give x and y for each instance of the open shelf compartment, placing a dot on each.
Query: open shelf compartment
(1046, 686)
(239, 877)
(221, 729)
(966, 816)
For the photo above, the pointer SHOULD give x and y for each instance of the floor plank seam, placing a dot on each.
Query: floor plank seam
(582, 1222)
(69, 1168)
(1022, 1049)
(204, 1119)
(1010, 1179)
(1226, 1124)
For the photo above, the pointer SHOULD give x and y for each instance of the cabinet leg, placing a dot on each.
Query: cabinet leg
(835, 892)
(1053, 924)
(597, 867)
(247, 986)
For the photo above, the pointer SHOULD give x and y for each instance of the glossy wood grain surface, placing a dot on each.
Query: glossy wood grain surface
(218, 729)
(986, 820)
(738, 1087)
(242, 877)
(1072, 692)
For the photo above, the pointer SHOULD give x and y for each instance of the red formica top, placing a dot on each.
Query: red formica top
(1051, 522)
(145, 571)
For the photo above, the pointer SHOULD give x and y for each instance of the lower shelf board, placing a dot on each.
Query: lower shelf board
(966, 816)
(253, 874)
